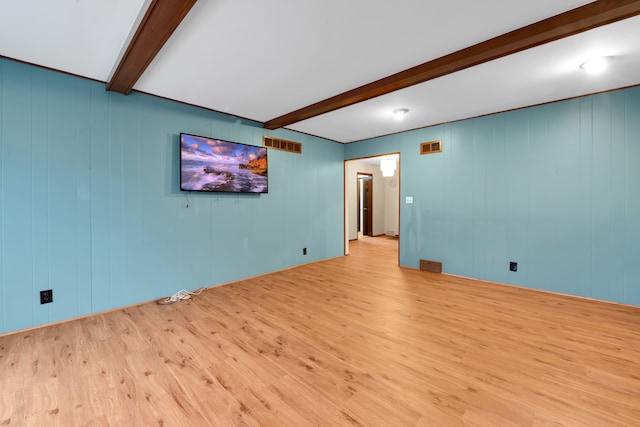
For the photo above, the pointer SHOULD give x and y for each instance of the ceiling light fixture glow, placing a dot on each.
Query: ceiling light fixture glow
(400, 112)
(388, 166)
(596, 65)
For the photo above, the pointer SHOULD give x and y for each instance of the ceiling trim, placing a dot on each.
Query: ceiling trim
(160, 21)
(572, 22)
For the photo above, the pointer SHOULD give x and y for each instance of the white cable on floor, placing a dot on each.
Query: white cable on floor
(179, 296)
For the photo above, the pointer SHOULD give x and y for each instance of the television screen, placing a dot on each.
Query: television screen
(208, 164)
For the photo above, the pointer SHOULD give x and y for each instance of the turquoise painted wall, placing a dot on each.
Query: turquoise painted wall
(90, 205)
(555, 188)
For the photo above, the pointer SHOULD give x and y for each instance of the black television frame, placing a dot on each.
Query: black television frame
(214, 156)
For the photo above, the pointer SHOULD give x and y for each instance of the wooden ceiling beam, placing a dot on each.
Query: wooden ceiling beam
(575, 21)
(160, 21)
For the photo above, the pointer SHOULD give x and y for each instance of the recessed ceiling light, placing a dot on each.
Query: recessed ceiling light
(400, 112)
(596, 65)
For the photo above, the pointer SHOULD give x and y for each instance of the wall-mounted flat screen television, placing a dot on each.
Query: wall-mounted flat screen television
(214, 165)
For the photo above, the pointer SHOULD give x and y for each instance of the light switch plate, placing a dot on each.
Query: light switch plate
(409, 200)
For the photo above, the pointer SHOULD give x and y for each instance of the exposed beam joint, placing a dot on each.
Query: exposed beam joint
(575, 21)
(160, 21)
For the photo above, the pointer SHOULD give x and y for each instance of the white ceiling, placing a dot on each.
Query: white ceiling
(260, 60)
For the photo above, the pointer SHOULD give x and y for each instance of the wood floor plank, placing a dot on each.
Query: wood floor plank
(352, 341)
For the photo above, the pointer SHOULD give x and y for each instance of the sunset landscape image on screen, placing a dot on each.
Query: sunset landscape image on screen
(208, 164)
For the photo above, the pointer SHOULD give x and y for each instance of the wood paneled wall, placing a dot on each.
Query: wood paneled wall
(553, 187)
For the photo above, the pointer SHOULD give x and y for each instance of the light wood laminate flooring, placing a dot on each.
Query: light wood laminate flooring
(351, 341)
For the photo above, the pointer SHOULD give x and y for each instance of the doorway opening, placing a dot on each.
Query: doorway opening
(372, 199)
(365, 206)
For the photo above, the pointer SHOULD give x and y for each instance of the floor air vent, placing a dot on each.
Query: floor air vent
(432, 266)
(282, 144)
(431, 147)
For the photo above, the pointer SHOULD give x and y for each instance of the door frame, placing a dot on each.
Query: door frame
(365, 176)
(347, 205)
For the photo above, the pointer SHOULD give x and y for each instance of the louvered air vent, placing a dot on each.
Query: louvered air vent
(431, 147)
(432, 266)
(282, 144)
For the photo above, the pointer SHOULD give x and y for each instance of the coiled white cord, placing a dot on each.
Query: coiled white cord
(179, 296)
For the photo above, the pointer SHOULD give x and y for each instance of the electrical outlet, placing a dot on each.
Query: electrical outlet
(304, 251)
(513, 266)
(46, 296)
